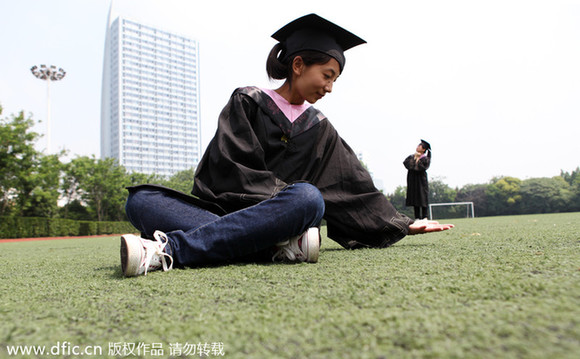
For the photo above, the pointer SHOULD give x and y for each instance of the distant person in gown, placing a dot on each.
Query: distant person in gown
(417, 183)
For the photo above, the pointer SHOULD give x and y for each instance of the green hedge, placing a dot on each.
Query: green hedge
(28, 227)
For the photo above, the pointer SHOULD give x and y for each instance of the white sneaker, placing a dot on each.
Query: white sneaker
(139, 255)
(303, 248)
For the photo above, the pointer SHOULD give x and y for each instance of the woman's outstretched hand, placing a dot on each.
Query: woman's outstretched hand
(425, 226)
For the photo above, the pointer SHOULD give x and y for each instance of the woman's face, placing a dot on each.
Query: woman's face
(314, 81)
(420, 149)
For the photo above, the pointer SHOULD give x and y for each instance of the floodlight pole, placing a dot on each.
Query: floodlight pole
(48, 73)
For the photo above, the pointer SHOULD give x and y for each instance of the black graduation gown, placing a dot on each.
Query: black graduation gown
(257, 151)
(417, 183)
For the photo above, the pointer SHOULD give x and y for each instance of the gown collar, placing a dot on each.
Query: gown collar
(306, 120)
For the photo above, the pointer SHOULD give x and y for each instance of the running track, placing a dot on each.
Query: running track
(51, 238)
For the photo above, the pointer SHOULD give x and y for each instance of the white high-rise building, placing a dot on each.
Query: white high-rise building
(150, 115)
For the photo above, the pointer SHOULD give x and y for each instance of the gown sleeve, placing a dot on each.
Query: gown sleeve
(233, 171)
(424, 163)
(357, 213)
(421, 165)
(408, 162)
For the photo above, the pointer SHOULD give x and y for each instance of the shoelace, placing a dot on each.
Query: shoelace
(289, 249)
(156, 248)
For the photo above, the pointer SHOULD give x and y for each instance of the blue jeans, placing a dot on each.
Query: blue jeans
(197, 236)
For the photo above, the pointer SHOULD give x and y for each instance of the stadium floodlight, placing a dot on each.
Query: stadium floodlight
(48, 74)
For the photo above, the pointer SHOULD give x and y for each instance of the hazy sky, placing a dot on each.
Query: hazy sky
(493, 85)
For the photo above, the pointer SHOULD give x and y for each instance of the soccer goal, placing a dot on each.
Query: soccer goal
(468, 206)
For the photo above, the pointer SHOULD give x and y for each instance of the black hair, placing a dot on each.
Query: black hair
(279, 70)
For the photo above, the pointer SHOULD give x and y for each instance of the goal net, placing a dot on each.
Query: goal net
(454, 210)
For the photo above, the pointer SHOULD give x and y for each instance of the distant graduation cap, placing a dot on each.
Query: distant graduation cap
(426, 145)
(314, 33)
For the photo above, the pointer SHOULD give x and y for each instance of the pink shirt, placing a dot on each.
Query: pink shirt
(292, 112)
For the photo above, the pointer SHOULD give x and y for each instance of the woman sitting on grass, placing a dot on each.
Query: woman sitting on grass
(275, 168)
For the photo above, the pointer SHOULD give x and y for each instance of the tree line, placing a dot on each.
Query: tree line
(34, 184)
(503, 196)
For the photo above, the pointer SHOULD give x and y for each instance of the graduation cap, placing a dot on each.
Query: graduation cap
(426, 145)
(314, 33)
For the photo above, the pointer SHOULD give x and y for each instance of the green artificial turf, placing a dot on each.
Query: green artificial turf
(504, 287)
